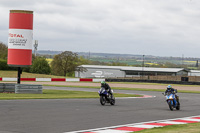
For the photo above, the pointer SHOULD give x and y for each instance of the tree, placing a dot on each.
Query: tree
(64, 63)
(40, 65)
(84, 61)
(27, 69)
(3, 51)
(3, 58)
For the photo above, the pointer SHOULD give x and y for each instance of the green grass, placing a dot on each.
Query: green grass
(120, 88)
(158, 90)
(73, 86)
(58, 94)
(128, 62)
(144, 83)
(182, 128)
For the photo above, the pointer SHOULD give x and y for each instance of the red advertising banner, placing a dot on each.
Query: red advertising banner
(20, 38)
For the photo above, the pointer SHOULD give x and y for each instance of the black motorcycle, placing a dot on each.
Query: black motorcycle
(105, 97)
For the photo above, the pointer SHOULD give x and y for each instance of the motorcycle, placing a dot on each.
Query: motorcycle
(105, 97)
(170, 100)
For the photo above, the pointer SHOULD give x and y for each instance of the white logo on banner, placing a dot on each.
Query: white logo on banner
(101, 74)
(20, 39)
(98, 74)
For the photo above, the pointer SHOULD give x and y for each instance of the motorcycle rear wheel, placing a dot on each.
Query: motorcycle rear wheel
(178, 106)
(112, 102)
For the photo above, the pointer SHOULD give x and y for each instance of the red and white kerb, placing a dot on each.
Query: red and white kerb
(20, 38)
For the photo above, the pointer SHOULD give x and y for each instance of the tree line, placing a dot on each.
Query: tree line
(63, 64)
(3, 58)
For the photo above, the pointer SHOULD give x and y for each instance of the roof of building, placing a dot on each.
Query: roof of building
(195, 71)
(129, 68)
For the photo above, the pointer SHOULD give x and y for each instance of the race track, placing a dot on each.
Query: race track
(66, 115)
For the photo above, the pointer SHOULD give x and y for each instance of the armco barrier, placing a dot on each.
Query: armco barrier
(55, 79)
(20, 88)
(6, 87)
(28, 89)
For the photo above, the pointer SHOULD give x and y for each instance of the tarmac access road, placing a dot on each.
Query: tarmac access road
(65, 115)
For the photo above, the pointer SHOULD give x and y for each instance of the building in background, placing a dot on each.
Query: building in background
(98, 71)
(194, 73)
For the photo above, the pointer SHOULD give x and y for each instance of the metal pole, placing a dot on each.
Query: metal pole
(143, 66)
(35, 47)
(182, 63)
(182, 60)
(19, 75)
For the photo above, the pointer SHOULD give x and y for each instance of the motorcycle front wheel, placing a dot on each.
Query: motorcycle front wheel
(170, 105)
(102, 100)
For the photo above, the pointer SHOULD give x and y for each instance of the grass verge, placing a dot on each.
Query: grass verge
(146, 83)
(119, 88)
(182, 128)
(58, 94)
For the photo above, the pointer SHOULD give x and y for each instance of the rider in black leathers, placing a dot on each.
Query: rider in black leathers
(107, 87)
(169, 88)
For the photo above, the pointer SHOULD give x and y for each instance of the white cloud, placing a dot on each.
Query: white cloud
(119, 26)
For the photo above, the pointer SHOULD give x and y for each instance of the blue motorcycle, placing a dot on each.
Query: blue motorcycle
(172, 100)
(105, 97)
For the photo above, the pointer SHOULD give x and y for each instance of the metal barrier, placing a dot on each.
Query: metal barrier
(28, 88)
(7, 88)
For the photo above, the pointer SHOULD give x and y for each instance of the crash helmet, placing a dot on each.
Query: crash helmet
(169, 86)
(103, 82)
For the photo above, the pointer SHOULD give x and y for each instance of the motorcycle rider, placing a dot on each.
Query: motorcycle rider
(172, 90)
(107, 87)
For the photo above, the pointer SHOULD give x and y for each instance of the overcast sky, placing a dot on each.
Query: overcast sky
(149, 27)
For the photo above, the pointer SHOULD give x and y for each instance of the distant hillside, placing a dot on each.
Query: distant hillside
(90, 54)
(48, 52)
(117, 56)
(131, 59)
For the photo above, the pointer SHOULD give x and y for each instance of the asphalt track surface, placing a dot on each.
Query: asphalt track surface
(66, 115)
